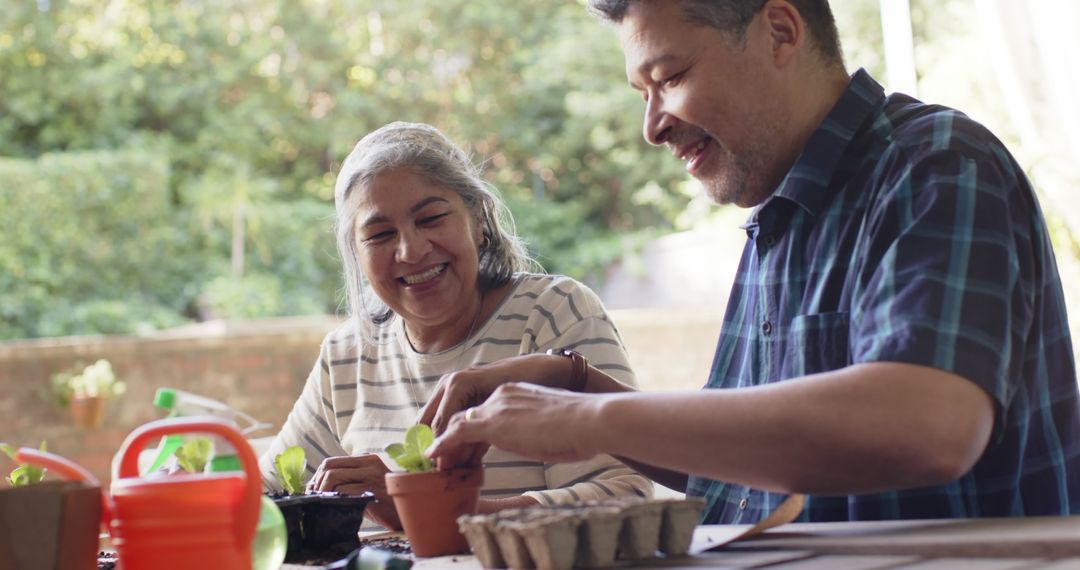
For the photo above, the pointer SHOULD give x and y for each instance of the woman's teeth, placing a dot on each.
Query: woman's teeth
(426, 275)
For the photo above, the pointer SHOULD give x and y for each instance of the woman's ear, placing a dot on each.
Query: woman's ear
(481, 233)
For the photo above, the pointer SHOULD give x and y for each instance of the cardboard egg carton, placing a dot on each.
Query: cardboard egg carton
(588, 535)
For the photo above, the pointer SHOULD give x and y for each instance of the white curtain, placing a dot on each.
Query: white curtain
(1035, 50)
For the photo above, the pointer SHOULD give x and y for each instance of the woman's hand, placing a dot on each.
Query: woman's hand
(470, 387)
(354, 475)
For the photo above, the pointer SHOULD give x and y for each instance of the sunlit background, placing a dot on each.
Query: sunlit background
(166, 174)
(166, 162)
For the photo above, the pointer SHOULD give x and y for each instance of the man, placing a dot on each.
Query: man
(895, 344)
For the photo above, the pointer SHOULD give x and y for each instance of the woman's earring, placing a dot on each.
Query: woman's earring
(485, 243)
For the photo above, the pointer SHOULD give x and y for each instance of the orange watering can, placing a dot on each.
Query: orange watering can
(177, 522)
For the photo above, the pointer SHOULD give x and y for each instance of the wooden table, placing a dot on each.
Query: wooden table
(988, 544)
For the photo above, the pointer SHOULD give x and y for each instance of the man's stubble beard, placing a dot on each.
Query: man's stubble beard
(746, 179)
(742, 179)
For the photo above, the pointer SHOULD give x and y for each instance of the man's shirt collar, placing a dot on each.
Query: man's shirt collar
(807, 183)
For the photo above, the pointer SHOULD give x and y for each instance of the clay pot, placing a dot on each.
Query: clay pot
(429, 505)
(87, 411)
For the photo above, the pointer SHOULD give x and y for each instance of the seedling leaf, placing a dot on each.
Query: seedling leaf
(410, 456)
(23, 474)
(418, 438)
(289, 468)
(194, 454)
(395, 450)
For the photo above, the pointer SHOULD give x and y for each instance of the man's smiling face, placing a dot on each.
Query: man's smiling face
(709, 98)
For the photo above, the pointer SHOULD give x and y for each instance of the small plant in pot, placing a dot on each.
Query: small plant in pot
(429, 501)
(319, 524)
(84, 392)
(48, 525)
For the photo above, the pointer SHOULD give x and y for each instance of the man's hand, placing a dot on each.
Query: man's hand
(536, 422)
(355, 475)
(470, 387)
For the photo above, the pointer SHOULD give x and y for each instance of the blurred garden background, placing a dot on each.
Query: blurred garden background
(171, 161)
(167, 166)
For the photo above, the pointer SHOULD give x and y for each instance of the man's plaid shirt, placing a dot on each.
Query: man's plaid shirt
(907, 233)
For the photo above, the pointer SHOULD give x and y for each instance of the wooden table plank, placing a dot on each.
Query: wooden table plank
(844, 562)
(725, 560)
(975, 564)
(1063, 564)
(1034, 537)
(1036, 542)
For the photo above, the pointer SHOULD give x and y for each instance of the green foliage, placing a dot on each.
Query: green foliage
(410, 455)
(194, 454)
(246, 297)
(93, 226)
(95, 380)
(180, 159)
(289, 468)
(23, 474)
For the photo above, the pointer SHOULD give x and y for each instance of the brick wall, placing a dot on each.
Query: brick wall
(259, 368)
(256, 367)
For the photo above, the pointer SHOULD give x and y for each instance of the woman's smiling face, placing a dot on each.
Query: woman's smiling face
(418, 245)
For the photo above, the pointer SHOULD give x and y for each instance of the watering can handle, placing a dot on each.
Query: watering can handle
(65, 468)
(248, 514)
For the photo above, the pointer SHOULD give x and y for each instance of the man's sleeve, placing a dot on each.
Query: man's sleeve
(944, 283)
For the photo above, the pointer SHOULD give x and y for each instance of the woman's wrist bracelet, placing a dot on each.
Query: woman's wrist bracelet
(579, 368)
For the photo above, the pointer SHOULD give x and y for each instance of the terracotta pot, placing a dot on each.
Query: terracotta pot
(87, 411)
(429, 505)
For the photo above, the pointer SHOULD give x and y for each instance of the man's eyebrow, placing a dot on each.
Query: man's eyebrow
(648, 65)
(379, 219)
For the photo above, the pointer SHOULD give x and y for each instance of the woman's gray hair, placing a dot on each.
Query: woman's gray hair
(428, 153)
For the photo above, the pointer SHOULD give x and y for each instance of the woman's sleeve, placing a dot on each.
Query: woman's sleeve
(601, 477)
(311, 425)
(586, 328)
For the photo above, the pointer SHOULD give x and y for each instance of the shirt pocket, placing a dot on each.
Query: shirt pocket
(816, 343)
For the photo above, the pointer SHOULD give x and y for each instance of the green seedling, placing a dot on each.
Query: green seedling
(23, 475)
(289, 468)
(194, 454)
(410, 455)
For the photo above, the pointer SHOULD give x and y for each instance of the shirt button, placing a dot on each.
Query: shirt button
(743, 503)
(770, 239)
(766, 328)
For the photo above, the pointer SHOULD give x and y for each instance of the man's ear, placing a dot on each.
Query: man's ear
(786, 29)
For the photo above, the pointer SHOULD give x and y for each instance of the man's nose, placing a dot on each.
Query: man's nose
(412, 246)
(658, 124)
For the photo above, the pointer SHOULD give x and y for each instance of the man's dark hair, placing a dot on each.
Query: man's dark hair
(733, 16)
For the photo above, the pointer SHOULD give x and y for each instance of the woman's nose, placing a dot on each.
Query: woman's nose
(412, 246)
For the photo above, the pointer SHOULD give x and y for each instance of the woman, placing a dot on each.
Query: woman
(436, 282)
